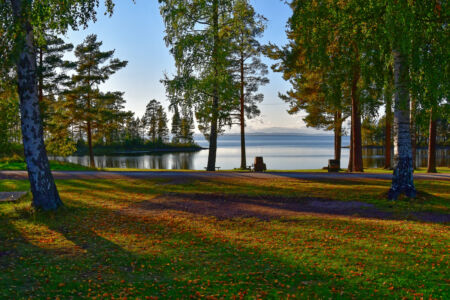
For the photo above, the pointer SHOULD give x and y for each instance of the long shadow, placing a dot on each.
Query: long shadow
(229, 207)
(212, 264)
(214, 259)
(263, 206)
(188, 262)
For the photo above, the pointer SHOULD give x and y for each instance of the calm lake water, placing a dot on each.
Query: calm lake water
(282, 152)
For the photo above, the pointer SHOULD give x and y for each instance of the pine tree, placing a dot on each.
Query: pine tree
(52, 80)
(186, 134)
(150, 120)
(162, 129)
(87, 103)
(176, 123)
(51, 69)
(248, 70)
(320, 91)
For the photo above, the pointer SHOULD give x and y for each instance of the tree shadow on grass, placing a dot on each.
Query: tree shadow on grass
(125, 255)
(267, 204)
(185, 263)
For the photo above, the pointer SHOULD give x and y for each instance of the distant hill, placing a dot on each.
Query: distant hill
(281, 131)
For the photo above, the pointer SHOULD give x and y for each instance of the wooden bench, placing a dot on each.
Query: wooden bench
(217, 168)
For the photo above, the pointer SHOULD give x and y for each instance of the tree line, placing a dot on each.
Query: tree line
(365, 55)
(344, 60)
(75, 112)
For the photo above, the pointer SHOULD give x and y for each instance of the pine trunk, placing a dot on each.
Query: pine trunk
(43, 188)
(91, 151)
(388, 135)
(242, 118)
(350, 158)
(402, 181)
(432, 145)
(89, 133)
(356, 123)
(337, 135)
(215, 105)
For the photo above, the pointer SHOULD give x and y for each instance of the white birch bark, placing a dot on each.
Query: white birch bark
(402, 181)
(43, 188)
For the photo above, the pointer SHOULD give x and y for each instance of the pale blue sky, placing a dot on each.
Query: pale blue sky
(136, 32)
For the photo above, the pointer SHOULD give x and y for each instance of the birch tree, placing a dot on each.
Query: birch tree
(22, 19)
(197, 32)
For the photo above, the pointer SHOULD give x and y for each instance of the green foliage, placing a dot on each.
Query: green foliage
(89, 108)
(155, 122)
(197, 33)
(10, 135)
(52, 81)
(247, 69)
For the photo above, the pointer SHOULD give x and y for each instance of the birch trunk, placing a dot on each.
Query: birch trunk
(43, 188)
(402, 181)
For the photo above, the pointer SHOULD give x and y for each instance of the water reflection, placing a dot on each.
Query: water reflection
(229, 158)
(282, 152)
(163, 161)
(374, 157)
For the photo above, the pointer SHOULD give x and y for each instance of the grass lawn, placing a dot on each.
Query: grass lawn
(173, 238)
(18, 165)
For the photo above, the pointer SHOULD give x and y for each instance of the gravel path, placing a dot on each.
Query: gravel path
(22, 175)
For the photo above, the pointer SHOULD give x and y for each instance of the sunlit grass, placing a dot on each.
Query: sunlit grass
(19, 165)
(104, 244)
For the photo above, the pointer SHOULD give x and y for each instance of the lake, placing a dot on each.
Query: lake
(281, 152)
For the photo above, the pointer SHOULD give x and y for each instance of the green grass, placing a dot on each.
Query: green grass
(103, 245)
(368, 170)
(19, 165)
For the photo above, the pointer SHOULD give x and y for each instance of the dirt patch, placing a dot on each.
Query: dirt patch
(266, 208)
(228, 207)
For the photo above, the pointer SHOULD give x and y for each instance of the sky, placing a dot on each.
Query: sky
(136, 32)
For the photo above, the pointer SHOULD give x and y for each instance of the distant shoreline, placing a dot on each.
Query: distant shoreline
(111, 151)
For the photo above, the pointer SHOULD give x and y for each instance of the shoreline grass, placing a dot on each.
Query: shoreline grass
(20, 165)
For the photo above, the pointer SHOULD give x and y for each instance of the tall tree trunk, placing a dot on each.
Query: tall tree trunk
(337, 135)
(412, 125)
(356, 122)
(432, 145)
(350, 158)
(215, 105)
(89, 132)
(242, 117)
(91, 151)
(43, 188)
(388, 136)
(402, 181)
